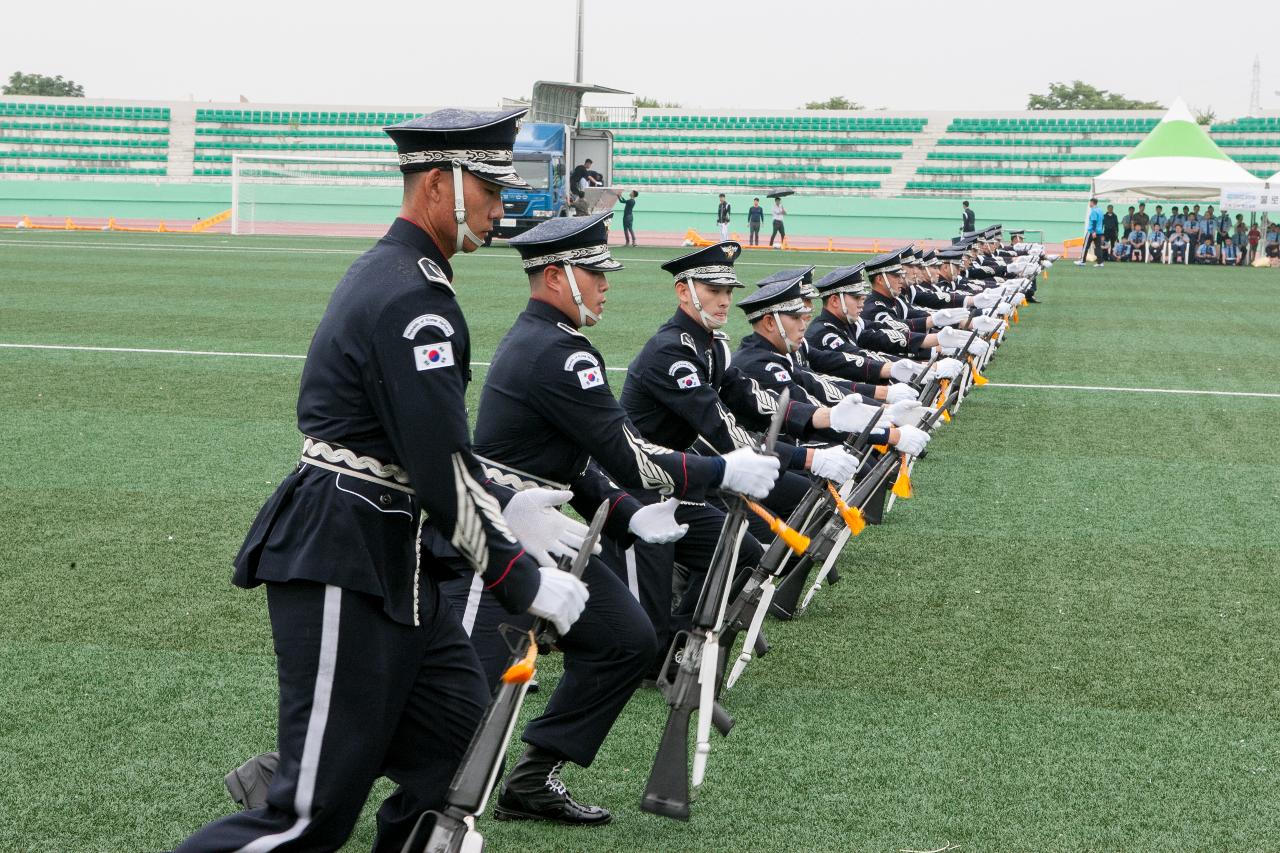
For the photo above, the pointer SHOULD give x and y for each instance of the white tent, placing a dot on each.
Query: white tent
(1176, 160)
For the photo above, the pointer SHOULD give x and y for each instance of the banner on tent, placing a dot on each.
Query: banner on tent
(1247, 197)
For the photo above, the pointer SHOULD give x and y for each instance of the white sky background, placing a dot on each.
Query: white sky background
(923, 55)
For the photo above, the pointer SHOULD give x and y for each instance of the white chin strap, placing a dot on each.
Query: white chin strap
(844, 309)
(460, 213)
(708, 321)
(782, 333)
(584, 313)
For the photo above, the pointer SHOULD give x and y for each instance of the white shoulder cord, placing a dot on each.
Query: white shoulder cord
(460, 212)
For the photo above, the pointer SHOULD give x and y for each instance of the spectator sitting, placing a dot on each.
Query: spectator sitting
(1155, 244)
(1137, 244)
(1178, 246)
(1230, 256)
(1121, 251)
(1241, 239)
(1273, 241)
(1206, 253)
(1126, 223)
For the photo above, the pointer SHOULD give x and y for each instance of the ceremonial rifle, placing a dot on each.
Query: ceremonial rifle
(453, 828)
(689, 677)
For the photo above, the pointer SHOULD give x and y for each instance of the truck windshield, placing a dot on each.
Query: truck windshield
(535, 172)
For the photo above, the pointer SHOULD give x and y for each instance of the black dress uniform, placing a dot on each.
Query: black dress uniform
(682, 391)
(376, 675)
(831, 339)
(929, 294)
(548, 418)
(775, 370)
(889, 325)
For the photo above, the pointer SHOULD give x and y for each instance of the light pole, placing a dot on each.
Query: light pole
(577, 69)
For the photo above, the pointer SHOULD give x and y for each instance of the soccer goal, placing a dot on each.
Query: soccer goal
(296, 194)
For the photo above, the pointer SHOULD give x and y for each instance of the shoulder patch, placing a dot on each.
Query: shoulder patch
(687, 380)
(687, 340)
(590, 377)
(580, 357)
(432, 271)
(431, 356)
(570, 329)
(417, 324)
(779, 372)
(832, 341)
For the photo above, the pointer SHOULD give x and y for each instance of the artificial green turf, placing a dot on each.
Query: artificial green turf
(1064, 642)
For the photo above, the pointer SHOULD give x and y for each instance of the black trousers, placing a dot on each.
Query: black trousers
(651, 570)
(606, 654)
(360, 697)
(628, 230)
(1091, 239)
(778, 230)
(754, 239)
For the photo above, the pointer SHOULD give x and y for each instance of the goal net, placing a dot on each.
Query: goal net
(331, 196)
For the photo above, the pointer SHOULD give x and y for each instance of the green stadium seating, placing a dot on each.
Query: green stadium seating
(85, 111)
(969, 186)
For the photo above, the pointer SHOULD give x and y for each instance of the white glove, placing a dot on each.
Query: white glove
(912, 440)
(947, 368)
(953, 338)
(949, 316)
(560, 598)
(905, 370)
(898, 392)
(656, 523)
(834, 464)
(1004, 309)
(979, 347)
(986, 299)
(986, 325)
(851, 414)
(907, 412)
(544, 532)
(749, 473)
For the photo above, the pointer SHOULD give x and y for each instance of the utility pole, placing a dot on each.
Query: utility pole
(577, 70)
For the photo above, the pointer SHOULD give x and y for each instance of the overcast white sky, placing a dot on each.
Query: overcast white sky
(927, 55)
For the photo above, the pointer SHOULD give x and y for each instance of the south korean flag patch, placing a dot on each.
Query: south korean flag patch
(431, 356)
(590, 377)
(685, 380)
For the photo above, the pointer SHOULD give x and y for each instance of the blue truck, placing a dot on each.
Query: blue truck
(545, 155)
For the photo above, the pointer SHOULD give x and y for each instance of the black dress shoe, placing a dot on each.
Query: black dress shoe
(533, 791)
(1033, 299)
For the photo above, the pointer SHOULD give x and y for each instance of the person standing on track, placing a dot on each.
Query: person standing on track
(1092, 235)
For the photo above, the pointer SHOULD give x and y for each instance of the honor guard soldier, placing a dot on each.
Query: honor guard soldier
(778, 316)
(376, 676)
(550, 429)
(681, 388)
(891, 326)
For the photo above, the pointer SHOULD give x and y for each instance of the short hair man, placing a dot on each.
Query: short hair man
(722, 217)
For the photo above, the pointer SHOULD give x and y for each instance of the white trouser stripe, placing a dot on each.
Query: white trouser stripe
(302, 799)
(633, 580)
(473, 603)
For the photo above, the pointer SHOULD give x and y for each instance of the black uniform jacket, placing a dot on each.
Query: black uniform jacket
(886, 326)
(832, 348)
(389, 450)
(547, 410)
(682, 387)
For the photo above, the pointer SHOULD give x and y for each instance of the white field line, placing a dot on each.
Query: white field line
(302, 250)
(281, 355)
